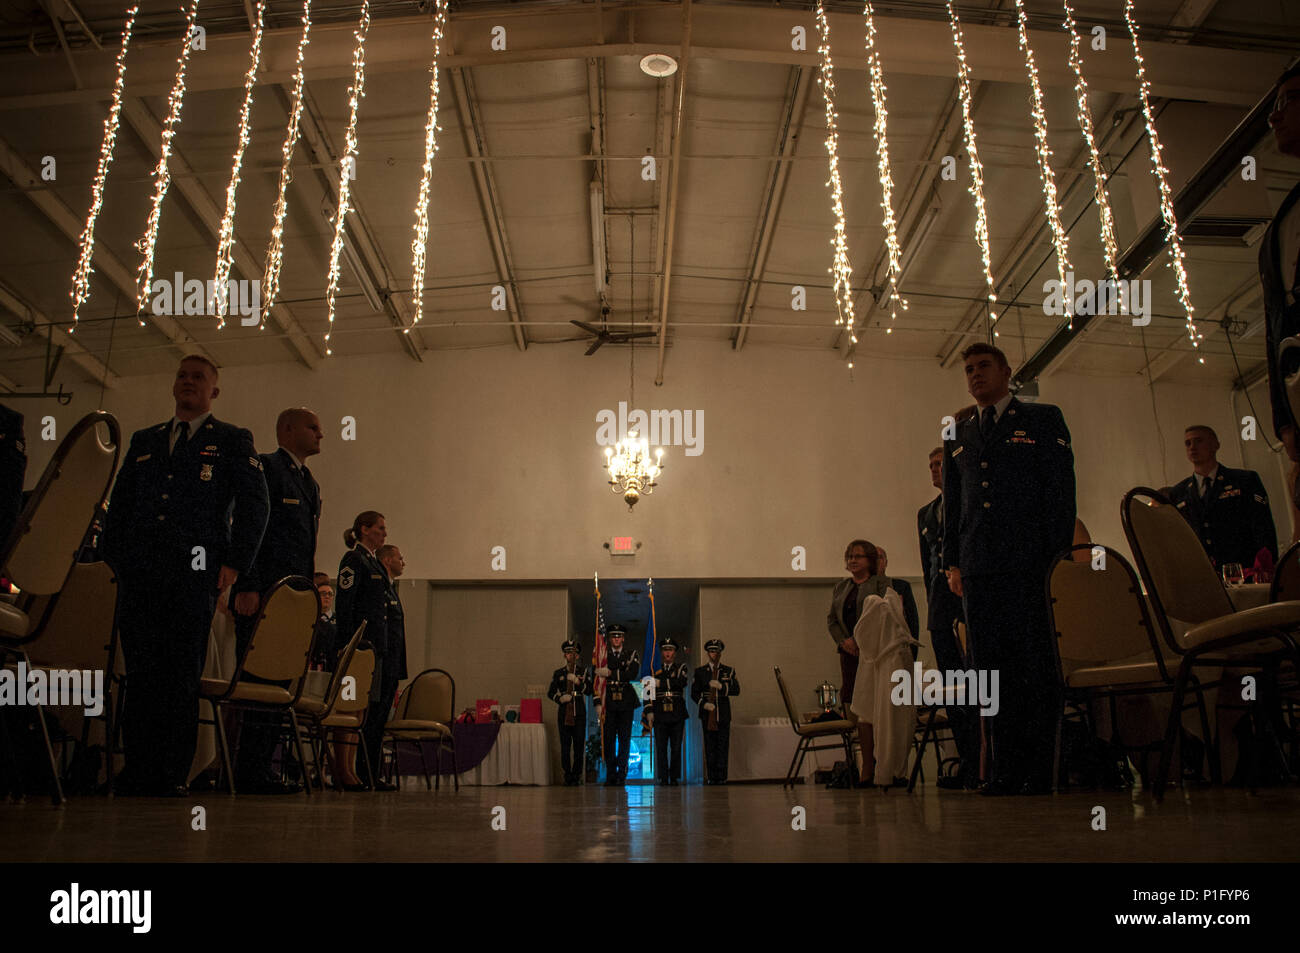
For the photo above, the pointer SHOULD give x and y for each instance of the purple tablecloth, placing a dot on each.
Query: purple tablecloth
(473, 742)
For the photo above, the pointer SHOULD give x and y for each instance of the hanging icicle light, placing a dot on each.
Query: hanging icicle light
(1162, 177)
(430, 147)
(347, 162)
(226, 237)
(162, 175)
(976, 169)
(896, 299)
(1110, 247)
(1050, 201)
(275, 250)
(840, 268)
(81, 277)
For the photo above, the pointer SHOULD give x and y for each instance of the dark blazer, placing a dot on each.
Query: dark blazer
(395, 655)
(910, 616)
(326, 645)
(942, 606)
(13, 469)
(730, 686)
(1009, 501)
(1280, 321)
(624, 669)
(560, 685)
(289, 544)
(1235, 522)
(363, 594)
(212, 494)
(669, 705)
(874, 586)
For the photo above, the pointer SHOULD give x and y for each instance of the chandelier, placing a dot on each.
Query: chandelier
(628, 462)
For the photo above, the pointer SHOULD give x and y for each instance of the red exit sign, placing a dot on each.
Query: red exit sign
(622, 546)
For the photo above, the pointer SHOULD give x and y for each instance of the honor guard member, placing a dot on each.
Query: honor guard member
(621, 668)
(1008, 509)
(570, 687)
(712, 688)
(363, 597)
(670, 713)
(1227, 508)
(943, 612)
(184, 521)
(13, 468)
(288, 549)
(394, 670)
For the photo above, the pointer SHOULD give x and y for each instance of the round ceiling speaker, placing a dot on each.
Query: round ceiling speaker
(658, 65)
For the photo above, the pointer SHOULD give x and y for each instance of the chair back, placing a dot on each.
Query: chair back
(41, 551)
(280, 648)
(362, 669)
(785, 696)
(431, 696)
(1097, 609)
(1286, 576)
(1180, 580)
(340, 669)
(79, 630)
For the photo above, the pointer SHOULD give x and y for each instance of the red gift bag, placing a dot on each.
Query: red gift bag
(530, 711)
(483, 709)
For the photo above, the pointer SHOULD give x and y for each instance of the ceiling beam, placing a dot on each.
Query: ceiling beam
(489, 199)
(596, 188)
(373, 272)
(796, 106)
(735, 32)
(669, 221)
(96, 369)
(105, 262)
(187, 183)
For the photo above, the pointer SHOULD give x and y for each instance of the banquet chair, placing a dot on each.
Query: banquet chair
(1184, 590)
(425, 712)
(278, 651)
(350, 708)
(318, 710)
(1106, 646)
(41, 552)
(808, 732)
(931, 723)
(1286, 576)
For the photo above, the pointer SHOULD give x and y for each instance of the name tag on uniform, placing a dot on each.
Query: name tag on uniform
(374, 575)
(144, 458)
(293, 502)
(958, 450)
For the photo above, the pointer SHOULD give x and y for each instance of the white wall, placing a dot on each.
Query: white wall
(474, 449)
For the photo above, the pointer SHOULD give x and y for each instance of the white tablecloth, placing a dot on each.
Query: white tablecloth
(519, 756)
(763, 753)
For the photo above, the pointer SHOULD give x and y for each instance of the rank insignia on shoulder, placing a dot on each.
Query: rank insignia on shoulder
(255, 462)
(1062, 441)
(206, 472)
(1260, 499)
(143, 458)
(346, 577)
(22, 447)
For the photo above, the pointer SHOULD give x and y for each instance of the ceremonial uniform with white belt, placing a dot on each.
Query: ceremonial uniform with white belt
(1229, 511)
(190, 498)
(621, 701)
(670, 714)
(570, 687)
(712, 688)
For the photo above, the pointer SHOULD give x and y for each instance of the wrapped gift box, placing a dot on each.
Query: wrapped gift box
(483, 709)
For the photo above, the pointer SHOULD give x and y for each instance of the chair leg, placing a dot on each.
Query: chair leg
(1175, 723)
(56, 794)
(223, 745)
(1211, 745)
(424, 762)
(789, 774)
(365, 756)
(302, 758)
(455, 771)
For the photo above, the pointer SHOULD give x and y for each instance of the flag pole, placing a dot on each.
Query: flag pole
(594, 655)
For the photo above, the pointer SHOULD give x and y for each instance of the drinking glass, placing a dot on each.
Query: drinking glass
(1233, 574)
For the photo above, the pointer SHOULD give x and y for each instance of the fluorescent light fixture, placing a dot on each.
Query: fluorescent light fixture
(658, 65)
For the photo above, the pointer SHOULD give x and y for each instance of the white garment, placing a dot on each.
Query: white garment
(884, 646)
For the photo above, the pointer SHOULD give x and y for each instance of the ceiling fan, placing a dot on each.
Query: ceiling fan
(601, 335)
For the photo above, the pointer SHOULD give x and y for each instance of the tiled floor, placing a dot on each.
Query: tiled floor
(735, 823)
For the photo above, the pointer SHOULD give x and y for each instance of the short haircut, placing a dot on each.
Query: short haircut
(203, 360)
(936, 452)
(983, 347)
(384, 551)
(321, 579)
(1203, 429)
(289, 416)
(873, 560)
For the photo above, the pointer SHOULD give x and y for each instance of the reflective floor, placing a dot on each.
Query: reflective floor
(644, 823)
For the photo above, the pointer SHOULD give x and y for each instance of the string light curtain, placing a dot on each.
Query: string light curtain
(275, 250)
(348, 160)
(878, 104)
(1050, 202)
(226, 236)
(840, 269)
(1162, 178)
(430, 148)
(81, 277)
(976, 169)
(162, 175)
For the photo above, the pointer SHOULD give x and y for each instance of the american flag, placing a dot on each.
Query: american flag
(599, 655)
